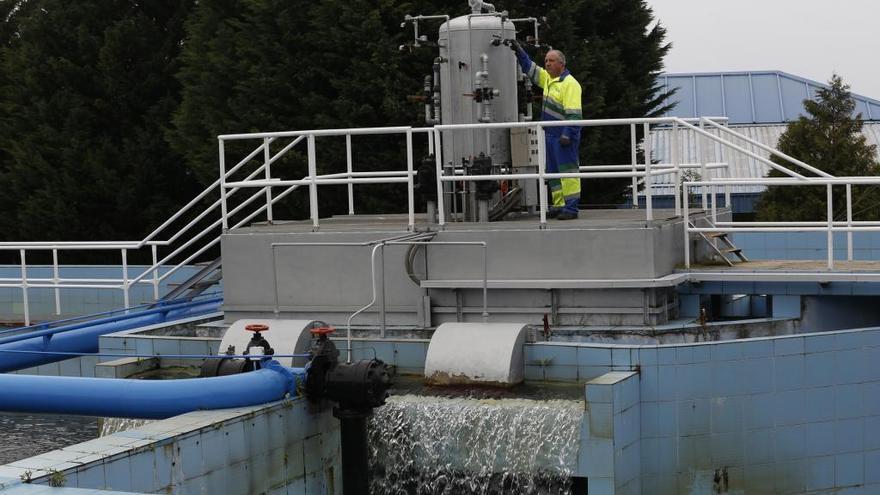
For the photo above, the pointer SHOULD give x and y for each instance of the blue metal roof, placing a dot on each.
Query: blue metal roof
(755, 97)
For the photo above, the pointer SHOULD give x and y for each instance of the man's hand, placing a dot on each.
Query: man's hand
(514, 45)
(564, 140)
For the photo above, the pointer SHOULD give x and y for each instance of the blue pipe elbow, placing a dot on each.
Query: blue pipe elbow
(149, 399)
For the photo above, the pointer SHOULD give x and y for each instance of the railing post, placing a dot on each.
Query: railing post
(411, 202)
(24, 289)
(849, 223)
(649, 203)
(634, 159)
(703, 170)
(830, 228)
(349, 167)
(675, 165)
(125, 278)
(542, 166)
(223, 209)
(155, 272)
(687, 236)
(313, 182)
(268, 171)
(56, 280)
(438, 159)
(723, 155)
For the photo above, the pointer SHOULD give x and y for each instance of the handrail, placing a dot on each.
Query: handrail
(190, 244)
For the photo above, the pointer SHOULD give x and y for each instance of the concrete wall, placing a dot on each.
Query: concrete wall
(793, 414)
(524, 267)
(284, 447)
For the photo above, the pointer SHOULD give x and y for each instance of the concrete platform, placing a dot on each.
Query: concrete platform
(604, 268)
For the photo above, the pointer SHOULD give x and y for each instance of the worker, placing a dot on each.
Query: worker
(562, 101)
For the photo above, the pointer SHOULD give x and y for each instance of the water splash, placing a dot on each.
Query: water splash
(432, 445)
(110, 426)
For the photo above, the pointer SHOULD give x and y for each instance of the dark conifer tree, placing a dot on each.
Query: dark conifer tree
(830, 138)
(88, 88)
(275, 65)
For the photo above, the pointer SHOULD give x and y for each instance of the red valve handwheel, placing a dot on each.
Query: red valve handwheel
(322, 330)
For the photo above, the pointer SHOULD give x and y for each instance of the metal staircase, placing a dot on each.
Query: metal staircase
(728, 252)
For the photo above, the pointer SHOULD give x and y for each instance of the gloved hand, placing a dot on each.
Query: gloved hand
(514, 45)
(564, 140)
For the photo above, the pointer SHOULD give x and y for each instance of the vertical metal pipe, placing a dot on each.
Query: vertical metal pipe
(355, 454)
(313, 184)
(223, 208)
(649, 206)
(687, 236)
(125, 278)
(703, 170)
(438, 159)
(830, 208)
(723, 155)
(675, 165)
(56, 280)
(349, 167)
(849, 223)
(24, 289)
(382, 307)
(276, 310)
(485, 283)
(542, 166)
(714, 205)
(268, 172)
(634, 159)
(155, 272)
(411, 202)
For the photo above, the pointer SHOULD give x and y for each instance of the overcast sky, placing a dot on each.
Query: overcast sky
(807, 38)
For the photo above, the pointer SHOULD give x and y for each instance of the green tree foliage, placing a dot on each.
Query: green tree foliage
(87, 91)
(830, 138)
(109, 109)
(277, 65)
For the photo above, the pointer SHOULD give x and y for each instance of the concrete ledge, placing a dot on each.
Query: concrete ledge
(125, 367)
(476, 353)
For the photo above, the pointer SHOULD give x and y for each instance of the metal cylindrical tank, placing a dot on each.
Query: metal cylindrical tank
(474, 64)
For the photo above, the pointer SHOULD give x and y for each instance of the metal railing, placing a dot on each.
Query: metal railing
(189, 242)
(828, 224)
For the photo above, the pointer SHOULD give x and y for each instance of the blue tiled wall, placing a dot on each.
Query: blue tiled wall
(806, 245)
(793, 414)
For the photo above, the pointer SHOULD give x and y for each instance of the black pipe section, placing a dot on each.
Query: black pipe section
(355, 453)
(357, 388)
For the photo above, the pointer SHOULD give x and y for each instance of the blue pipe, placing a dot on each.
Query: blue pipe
(150, 399)
(94, 316)
(83, 337)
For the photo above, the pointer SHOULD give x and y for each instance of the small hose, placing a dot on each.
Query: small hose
(410, 257)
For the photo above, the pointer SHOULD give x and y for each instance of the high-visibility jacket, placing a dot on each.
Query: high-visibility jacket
(562, 96)
(562, 101)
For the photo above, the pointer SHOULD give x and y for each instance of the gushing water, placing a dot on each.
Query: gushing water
(110, 426)
(433, 445)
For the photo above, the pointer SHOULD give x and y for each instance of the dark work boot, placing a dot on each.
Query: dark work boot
(553, 212)
(566, 215)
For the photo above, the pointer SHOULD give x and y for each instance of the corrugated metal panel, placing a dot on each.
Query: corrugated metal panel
(759, 97)
(740, 165)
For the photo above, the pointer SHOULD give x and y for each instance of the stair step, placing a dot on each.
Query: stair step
(732, 250)
(717, 234)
